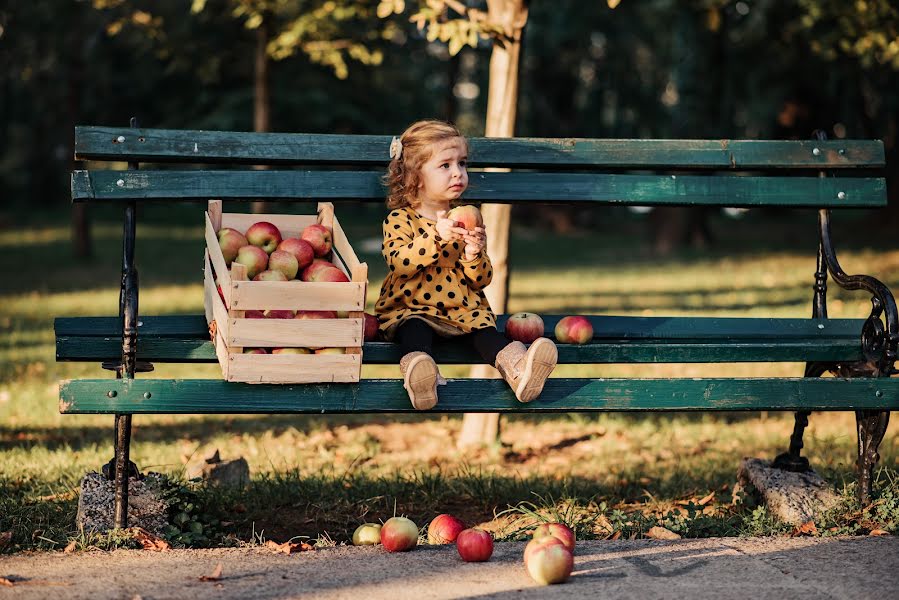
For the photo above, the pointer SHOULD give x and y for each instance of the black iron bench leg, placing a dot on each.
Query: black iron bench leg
(872, 425)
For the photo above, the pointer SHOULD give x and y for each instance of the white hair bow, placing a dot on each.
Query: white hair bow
(396, 148)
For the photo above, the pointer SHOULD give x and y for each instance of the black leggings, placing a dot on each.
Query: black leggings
(417, 336)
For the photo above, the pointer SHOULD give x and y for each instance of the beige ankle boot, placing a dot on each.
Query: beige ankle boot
(526, 369)
(421, 378)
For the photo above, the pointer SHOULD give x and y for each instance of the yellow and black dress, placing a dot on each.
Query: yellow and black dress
(428, 278)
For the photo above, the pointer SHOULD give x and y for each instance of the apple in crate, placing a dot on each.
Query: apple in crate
(315, 265)
(255, 351)
(316, 314)
(230, 241)
(329, 274)
(254, 314)
(559, 531)
(474, 545)
(285, 262)
(574, 330)
(264, 235)
(367, 534)
(370, 328)
(270, 276)
(399, 534)
(467, 216)
(273, 313)
(524, 327)
(550, 563)
(291, 351)
(444, 529)
(330, 351)
(301, 250)
(319, 237)
(253, 258)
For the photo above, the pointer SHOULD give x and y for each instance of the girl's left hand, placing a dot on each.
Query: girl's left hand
(475, 243)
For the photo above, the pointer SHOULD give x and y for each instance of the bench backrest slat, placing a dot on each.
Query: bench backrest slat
(203, 147)
(694, 190)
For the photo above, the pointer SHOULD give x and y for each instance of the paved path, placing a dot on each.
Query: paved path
(781, 568)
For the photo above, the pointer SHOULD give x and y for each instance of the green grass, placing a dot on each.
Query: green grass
(610, 475)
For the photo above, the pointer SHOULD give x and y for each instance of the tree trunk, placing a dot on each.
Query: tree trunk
(502, 101)
(81, 225)
(261, 96)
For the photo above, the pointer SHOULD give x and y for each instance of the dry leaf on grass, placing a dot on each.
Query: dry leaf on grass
(807, 528)
(70, 547)
(215, 576)
(150, 541)
(289, 547)
(660, 533)
(706, 499)
(879, 532)
(615, 535)
(6, 582)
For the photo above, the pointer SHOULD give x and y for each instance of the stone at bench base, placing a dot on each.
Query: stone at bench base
(794, 498)
(217, 472)
(146, 506)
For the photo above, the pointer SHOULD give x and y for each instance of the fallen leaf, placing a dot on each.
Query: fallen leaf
(239, 508)
(70, 547)
(706, 499)
(879, 532)
(660, 533)
(289, 547)
(6, 582)
(807, 528)
(150, 541)
(215, 576)
(616, 535)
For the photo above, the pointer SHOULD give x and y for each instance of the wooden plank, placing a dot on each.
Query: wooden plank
(298, 295)
(208, 396)
(191, 146)
(294, 333)
(294, 368)
(616, 189)
(215, 257)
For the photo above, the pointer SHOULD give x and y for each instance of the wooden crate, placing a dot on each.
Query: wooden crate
(232, 333)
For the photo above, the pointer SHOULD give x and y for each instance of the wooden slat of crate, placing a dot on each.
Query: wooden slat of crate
(295, 368)
(297, 295)
(297, 333)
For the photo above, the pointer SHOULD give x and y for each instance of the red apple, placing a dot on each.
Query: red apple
(332, 274)
(524, 327)
(253, 258)
(537, 543)
(319, 237)
(330, 351)
(399, 534)
(278, 314)
(301, 249)
(270, 276)
(367, 534)
(574, 330)
(264, 235)
(474, 545)
(254, 314)
(550, 563)
(284, 261)
(444, 529)
(316, 314)
(291, 351)
(317, 263)
(559, 531)
(370, 329)
(230, 241)
(467, 216)
(255, 351)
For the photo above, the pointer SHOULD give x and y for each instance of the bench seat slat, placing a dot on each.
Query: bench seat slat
(210, 396)
(617, 189)
(192, 146)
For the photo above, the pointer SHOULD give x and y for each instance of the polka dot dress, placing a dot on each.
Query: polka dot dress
(429, 278)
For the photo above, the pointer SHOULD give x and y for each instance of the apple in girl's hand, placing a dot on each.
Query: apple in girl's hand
(301, 249)
(332, 274)
(291, 351)
(316, 314)
(370, 329)
(230, 241)
(319, 237)
(467, 216)
(399, 534)
(315, 265)
(331, 351)
(278, 314)
(537, 543)
(270, 276)
(264, 235)
(444, 529)
(574, 330)
(559, 531)
(550, 563)
(367, 534)
(474, 545)
(285, 262)
(253, 258)
(254, 314)
(524, 327)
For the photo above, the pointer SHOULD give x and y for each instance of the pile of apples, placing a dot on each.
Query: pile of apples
(526, 327)
(548, 557)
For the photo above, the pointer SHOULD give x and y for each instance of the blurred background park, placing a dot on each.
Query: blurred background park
(754, 69)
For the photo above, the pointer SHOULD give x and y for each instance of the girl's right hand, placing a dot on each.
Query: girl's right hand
(446, 228)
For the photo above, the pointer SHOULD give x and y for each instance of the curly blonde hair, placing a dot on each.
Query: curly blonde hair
(404, 172)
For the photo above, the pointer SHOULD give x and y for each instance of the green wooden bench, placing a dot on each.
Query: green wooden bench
(817, 174)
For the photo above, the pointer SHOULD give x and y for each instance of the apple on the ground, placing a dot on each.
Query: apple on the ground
(319, 237)
(444, 529)
(367, 534)
(264, 235)
(557, 530)
(474, 545)
(550, 563)
(574, 330)
(230, 241)
(399, 534)
(253, 258)
(524, 327)
(537, 543)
